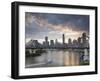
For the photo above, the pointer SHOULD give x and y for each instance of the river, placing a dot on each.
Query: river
(59, 57)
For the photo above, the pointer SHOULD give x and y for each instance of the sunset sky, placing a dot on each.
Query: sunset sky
(39, 25)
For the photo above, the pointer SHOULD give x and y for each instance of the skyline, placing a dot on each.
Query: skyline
(39, 25)
(81, 42)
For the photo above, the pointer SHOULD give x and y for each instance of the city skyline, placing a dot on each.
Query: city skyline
(39, 25)
(59, 40)
(81, 42)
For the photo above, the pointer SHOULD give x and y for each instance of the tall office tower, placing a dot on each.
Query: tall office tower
(84, 38)
(46, 41)
(51, 43)
(79, 40)
(69, 41)
(63, 39)
(56, 41)
(74, 43)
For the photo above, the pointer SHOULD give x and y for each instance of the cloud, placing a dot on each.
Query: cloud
(41, 24)
(58, 22)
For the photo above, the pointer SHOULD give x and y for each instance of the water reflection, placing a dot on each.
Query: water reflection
(55, 57)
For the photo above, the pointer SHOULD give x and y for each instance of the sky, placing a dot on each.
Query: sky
(39, 25)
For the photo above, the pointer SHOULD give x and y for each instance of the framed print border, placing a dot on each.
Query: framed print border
(15, 39)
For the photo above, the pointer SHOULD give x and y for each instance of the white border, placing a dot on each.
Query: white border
(53, 70)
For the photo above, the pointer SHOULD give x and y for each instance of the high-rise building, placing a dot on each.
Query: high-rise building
(56, 41)
(74, 43)
(69, 41)
(46, 42)
(79, 40)
(43, 43)
(46, 39)
(51, 43)
(84, 38)
(63, 39)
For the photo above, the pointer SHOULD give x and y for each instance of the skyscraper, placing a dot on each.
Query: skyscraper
(75, 43)
(84, 38)
(56, 41)
(69, 41)
(85, 41)
(46, 41)
(63, 39)
(79, 40)
(51, 43)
